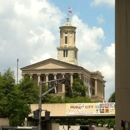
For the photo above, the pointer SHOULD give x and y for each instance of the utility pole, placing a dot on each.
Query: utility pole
(40, 105)
(56, 82)
(17, 70)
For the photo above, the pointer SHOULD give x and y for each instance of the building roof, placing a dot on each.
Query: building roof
(51, 64)
(54, 64)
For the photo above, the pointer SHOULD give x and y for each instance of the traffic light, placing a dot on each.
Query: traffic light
(47, 115)
(36, 114)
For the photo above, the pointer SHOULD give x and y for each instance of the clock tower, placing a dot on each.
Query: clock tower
(67, 51)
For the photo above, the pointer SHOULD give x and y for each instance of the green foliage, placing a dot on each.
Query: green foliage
(7, 83)
(14, 99)
(76, 99)
(18, 109)
(78, 87)
(29, 89)
(112, 97)
(58, 99)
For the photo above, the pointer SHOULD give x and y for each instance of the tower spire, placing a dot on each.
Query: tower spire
(67, 18)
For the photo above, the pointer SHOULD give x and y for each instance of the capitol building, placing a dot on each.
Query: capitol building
(67, 65)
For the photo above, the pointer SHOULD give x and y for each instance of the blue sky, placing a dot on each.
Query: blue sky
(91, 14)
(29, 30)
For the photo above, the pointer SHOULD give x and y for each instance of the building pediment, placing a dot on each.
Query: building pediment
(50, 64)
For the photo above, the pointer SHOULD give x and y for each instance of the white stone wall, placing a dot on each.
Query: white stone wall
(70, 59)
(4, 122)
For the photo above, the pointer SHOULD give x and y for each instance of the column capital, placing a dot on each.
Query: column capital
(46, 74)
(63, 75)
(38, 74)
(54, 73)
(71, 73)
(31, 74)
(80, 75)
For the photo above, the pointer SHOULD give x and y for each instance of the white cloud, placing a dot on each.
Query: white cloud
(110, 50)
(87, 37)
(110, 3)
(29, 31)
(40, 58)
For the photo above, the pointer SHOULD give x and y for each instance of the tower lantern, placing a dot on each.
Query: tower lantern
(67, 51)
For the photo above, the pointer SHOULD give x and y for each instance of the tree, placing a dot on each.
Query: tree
(112, 97)
(29, 89)
(78, 88)
(15, 99)
(18, 108)
(23, 94)
(7, 83)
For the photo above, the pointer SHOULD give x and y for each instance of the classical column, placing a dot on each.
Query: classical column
(38, 81)
(31, 76)
(71, 79)
(46, 78)
(80, 75)
(89, 89)
(103, 91)
(95, 87)
(63, 85)
(57, 86)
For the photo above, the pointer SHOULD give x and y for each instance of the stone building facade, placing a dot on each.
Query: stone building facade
(67, 65)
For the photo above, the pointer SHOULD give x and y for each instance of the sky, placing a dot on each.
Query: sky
(29, 31)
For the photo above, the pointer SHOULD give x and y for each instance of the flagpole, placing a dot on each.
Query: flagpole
(17, 70)
(69, 11)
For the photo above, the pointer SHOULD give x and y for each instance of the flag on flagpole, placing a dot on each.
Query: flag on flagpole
(70, 10)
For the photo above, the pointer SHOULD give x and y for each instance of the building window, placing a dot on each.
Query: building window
(65, 53)
(65, 39)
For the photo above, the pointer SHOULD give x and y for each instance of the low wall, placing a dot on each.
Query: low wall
(77, 127)
(4, 122)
